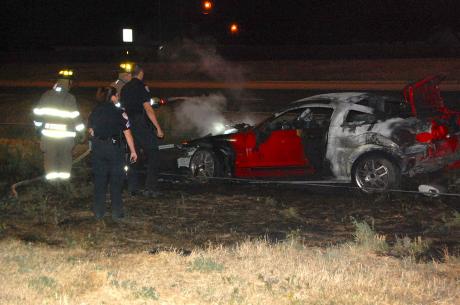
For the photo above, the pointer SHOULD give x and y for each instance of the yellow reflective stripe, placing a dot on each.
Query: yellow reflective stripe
(57, 175)
(80, 127)
(56, 112)
(58, 133)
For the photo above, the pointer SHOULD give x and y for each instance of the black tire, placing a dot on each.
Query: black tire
(204, 164)
(376, 173)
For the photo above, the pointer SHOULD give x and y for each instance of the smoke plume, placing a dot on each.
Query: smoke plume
(201, 114)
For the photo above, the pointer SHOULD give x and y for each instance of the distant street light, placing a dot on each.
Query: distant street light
(234, 28)
(127, 35)
(207, 6)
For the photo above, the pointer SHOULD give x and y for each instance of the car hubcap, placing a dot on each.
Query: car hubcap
(203, 164)
(372, 175)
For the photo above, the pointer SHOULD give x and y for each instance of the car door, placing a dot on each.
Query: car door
(275, 148)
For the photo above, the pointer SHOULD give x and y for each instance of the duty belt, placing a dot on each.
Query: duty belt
(109, 139)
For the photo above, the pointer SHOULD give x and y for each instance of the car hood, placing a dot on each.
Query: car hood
(228, 134)
(424, 96)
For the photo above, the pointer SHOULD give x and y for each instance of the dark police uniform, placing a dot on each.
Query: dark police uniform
(108, 123)
(133, 95)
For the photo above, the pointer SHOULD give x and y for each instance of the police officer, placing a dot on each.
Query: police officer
(136, 100)
(58, 121)
(107, 125)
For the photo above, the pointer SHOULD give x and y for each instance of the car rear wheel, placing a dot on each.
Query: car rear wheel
(204, 164)
(374, 174)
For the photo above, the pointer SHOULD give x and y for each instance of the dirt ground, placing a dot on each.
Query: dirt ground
(190, 215)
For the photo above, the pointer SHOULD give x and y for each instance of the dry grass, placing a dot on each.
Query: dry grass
(253, 272)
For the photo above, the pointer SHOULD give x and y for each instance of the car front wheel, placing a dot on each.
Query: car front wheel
(374, 173)
(204, 164)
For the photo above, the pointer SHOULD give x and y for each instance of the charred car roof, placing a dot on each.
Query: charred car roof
(342, 97)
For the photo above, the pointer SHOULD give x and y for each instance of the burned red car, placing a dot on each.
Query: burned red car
(368, 139)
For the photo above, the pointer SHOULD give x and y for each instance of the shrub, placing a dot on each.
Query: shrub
(407, 247)
(366, 236)
(17, 164)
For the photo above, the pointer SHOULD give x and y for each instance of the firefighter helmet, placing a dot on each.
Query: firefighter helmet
(66, 74)
(126, 67)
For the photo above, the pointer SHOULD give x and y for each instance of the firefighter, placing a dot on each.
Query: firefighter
(124, 76)
(58, 122)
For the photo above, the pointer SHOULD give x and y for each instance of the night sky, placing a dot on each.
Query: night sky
(30, 24)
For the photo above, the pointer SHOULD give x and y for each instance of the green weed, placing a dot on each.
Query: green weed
(42, 282)
(147, 293)
(406, 247)
(366, 236)
(454, 221)
(203, 264)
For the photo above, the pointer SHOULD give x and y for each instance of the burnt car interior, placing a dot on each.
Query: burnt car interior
(389, 108)
(311, 125)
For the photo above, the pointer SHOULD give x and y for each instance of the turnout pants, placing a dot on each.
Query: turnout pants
(57, 154)
(107, 162)
(144, 138)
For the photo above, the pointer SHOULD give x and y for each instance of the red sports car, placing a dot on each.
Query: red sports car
(368, 139)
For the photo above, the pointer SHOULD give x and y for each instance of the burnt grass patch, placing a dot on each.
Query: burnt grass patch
(190, 215)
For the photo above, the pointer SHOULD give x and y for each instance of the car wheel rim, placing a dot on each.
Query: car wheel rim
(203, 164)
(372, 176)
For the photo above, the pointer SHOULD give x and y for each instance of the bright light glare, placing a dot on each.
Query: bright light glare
(218, 127)
(127, 35)
(231, 130)
(57, 175)
(66, 72)
(234, 28)
(207, 5)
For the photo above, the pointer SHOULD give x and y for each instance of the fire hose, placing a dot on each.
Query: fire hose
(14, 192)
(316, 184)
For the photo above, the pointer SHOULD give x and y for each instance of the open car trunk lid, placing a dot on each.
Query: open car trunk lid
(424, 97)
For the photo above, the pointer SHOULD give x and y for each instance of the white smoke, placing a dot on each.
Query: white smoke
(207, 61)
(201, 114)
